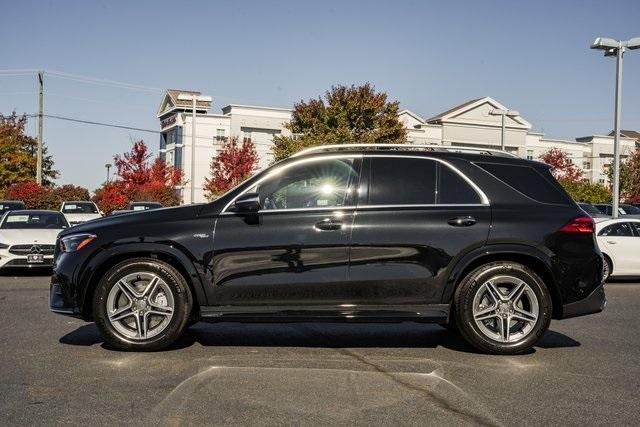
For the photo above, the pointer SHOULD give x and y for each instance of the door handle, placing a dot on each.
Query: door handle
(462, 221)
(328, 224)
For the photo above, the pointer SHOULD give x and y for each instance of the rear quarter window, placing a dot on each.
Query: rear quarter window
(535, 183)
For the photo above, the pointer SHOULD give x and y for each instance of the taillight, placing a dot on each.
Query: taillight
(579, 224)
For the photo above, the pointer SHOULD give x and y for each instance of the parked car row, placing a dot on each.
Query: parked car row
(28, 236)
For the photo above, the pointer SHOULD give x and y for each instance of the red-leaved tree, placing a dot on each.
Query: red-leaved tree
(234, 163)
(140, 179)
(37, 196)
(562, 167)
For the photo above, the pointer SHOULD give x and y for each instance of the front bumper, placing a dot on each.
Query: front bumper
(593, 303)
(58, 301)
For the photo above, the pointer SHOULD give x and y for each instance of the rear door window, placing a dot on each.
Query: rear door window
(402, 181)
(619, 229)
(417, 181)
(535, 183)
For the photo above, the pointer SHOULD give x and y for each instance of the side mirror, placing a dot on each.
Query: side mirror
(248, 202)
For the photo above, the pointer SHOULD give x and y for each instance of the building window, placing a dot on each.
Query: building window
(586, 165)
(246, 136)
(220, 135)
(529, 154)
(601, 181)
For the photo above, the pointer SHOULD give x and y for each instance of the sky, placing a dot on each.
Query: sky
(533, 57)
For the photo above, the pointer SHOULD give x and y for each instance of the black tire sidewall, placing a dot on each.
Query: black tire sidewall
(464, 307)
(181, 296)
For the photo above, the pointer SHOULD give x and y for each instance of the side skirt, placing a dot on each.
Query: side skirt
(431, 313)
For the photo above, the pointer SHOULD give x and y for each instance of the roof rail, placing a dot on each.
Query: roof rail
(426, 147)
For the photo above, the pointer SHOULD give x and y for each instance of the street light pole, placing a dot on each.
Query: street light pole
(193, 150)
(40, 122)
(193, 98)
(616, 132)
(108, 166)
(613, 47)
(503, 114)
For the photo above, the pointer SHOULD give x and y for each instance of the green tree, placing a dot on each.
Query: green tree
(18, 151)
(584, 191)
(346, 115)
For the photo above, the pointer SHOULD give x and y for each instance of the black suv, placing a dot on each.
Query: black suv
(480, 241)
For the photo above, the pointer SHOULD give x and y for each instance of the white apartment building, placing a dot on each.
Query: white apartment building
(466, 125)
(258, 124)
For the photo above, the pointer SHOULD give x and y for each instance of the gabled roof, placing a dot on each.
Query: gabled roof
(412, 114)
(628, 134)
(458, 110)
(171, 102)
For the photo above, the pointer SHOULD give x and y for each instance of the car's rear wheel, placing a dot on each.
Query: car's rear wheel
(502, 308)
(142, 304)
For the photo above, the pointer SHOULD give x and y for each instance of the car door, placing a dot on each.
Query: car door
(295, 249)
(620, 242)
(418, 214)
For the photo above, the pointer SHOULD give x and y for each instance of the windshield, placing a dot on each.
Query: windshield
(630, 209)
(21, 220)
(10, 206)
(80, 208)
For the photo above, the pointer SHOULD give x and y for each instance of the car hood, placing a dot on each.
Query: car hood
(81, 217)
(136, 217)
(21, 236)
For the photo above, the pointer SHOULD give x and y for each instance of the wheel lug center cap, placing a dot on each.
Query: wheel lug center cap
(141, 304)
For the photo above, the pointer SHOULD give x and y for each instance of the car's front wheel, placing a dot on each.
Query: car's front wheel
(142, 304)
(502, 308)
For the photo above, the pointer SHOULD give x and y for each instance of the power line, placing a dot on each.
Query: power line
(126, 127)
(100, 81)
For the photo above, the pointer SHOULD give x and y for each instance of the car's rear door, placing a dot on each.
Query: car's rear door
(417, 215)
(621, 242)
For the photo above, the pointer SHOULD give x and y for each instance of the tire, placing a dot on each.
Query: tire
(142, 304)
(607, 268)
(481, 315)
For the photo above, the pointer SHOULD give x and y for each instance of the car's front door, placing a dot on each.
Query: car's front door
(295, 249)
(418, 215)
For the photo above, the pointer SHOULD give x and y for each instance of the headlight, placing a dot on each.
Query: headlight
(75, 242)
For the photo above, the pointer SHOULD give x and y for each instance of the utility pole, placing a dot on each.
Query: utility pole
(40, 120)
(503, 114)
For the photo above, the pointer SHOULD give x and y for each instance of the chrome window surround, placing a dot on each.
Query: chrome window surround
(484, 200)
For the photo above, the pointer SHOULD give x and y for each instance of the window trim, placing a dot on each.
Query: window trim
(484, 200)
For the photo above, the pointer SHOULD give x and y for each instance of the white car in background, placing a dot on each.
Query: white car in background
(80, 211)
(28, 237)
(619, 242)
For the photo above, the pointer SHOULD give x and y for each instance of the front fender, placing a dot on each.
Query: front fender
(95, 266)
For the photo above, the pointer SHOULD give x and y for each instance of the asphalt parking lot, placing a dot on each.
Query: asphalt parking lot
(57, 370)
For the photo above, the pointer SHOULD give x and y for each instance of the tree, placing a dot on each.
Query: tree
(562, 167)
(18, 151)
(629, 177)
(586, 191)
(71, 192)
(110, 197)
(347, 114)
(234, 163)
(140, 179)
(34, 196)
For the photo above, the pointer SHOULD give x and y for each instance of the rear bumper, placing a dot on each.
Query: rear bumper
(593, 303)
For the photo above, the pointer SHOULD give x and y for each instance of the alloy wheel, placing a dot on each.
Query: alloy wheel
(140, 305)
(505, 309)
